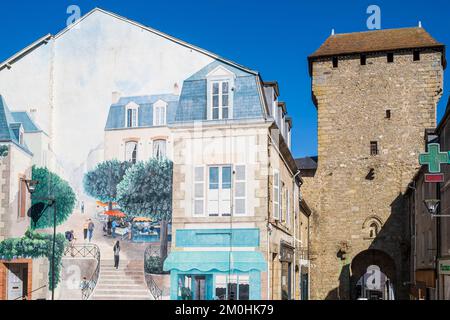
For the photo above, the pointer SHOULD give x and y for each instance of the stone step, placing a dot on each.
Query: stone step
(121, 281)
(124, 287)
(124, 292)
(119, 273)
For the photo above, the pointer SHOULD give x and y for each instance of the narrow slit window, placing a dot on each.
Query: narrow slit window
(388, 114)
(335, 62)
(363, 59)
(390, 57)
(416, 55)
(373, 148)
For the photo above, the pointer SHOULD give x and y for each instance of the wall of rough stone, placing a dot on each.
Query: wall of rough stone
(352, 101)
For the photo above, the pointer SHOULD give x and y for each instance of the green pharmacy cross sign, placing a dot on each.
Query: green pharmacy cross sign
(434, 158)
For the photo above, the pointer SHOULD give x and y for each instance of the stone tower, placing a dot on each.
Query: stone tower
(376, 92)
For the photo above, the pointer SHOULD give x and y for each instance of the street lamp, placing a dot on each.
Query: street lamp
(431, 205)
(31, 186)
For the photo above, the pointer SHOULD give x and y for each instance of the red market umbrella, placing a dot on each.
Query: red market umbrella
(115, 213)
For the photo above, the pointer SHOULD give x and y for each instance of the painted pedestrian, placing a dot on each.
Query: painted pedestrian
(116, 255)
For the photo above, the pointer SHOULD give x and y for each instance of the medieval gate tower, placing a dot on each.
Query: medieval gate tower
(376, 93)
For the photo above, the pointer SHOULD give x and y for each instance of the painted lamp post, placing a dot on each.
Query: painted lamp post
(31, 186)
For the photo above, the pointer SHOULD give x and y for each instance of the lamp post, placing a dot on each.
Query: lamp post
(31, 187)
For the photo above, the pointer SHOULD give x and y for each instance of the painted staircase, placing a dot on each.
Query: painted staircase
(125, 283)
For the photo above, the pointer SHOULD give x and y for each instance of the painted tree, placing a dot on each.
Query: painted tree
(52, 186)
(101, 183)
(146, 190)
(36, 245)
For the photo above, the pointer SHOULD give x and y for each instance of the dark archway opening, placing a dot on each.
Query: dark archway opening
(373, 276)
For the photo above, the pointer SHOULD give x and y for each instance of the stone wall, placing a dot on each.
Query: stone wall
(352, 100)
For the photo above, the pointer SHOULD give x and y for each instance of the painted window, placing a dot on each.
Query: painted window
(232, 287)
(240, 190)
(159, 149)
(219, 191)
(131, 151)
(199, 191)
(276, 194)
(220, 99)
(132, 116)
(159, 113)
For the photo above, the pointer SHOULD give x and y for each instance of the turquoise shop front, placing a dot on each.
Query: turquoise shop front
(220, 274)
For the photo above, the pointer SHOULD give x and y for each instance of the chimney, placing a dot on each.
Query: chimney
(332, 32)
(420, 24)
(115, 97)
(176, 89)
(32, 113)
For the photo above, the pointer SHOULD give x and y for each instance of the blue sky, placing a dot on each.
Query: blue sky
(273, 37)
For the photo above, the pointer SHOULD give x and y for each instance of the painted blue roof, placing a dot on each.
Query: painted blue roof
(9, 127)
(28, 124)
(116, 116)
(191, 105)
(6, 119)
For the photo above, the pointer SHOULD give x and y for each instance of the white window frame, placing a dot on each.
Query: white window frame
(196, 198)
(236, 181)
(220, 75)
(220, 190)
(160, 113)
(135, 115)
(276, 199)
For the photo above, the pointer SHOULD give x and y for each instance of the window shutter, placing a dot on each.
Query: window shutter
(240, 191)
(199, 191)
(288, 208)
(276, 194)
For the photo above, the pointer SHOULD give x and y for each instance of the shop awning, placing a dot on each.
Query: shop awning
(215, 261)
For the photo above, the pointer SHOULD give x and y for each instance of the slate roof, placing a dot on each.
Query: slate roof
(374, 41)
(10, 127)
(28, 124)
(307, 163)
(6, 119)
(116, 116)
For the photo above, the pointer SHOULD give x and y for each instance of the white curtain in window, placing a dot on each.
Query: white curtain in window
(131, 151)
(159, 149)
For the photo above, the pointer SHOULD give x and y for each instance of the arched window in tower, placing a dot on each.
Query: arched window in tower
(373, 230)
(131, 151)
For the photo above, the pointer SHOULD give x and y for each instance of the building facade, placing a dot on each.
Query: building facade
(236, 186)
(430, 259)
(17, 133)
(376, 93)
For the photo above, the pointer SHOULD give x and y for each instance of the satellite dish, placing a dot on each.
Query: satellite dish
(36, 211)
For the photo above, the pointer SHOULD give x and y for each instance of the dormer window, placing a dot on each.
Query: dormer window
(132, 115)
(220, 100)
(220, 94)
(159, 113)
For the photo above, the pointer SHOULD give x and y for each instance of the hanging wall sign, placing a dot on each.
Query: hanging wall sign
(434, 158)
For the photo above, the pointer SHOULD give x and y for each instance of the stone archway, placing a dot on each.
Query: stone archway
(366, 264)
